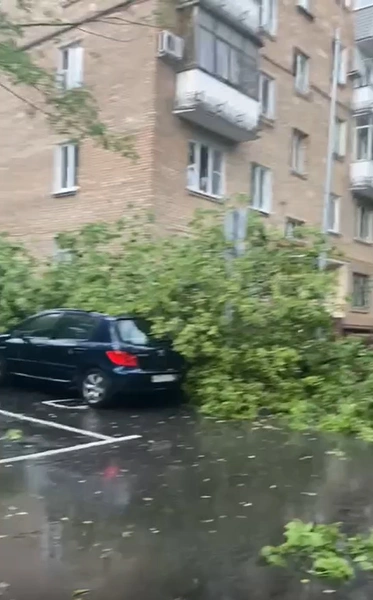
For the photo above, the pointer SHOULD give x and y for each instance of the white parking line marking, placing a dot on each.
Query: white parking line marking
(61, 400)
(36, 421)
(62, 403)
(56, 451)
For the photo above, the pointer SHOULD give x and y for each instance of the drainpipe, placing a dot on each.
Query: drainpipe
(331, 139)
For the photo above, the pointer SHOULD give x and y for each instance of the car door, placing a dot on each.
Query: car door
(26, 344)
(67, 349)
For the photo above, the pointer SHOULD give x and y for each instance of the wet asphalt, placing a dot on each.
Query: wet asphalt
(179, 513)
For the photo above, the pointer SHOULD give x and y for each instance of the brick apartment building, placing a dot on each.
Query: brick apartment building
(224, 97)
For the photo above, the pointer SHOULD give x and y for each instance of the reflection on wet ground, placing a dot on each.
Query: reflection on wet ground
(179, 514)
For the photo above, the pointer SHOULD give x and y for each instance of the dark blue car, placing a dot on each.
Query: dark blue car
(101, 356)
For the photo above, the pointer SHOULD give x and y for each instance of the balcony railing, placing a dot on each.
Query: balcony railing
(216, 106)
(362, 178)
(245, 14)
(362, 99)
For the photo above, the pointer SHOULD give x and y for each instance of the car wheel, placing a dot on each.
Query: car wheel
(94, 388)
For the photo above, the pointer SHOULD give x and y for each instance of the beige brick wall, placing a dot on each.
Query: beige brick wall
(136, 93)
(296, 197)
(119, 66)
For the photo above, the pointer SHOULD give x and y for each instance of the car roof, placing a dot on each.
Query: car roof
(83, 312)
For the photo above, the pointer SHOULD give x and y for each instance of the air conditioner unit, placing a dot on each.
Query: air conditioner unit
(170, 46)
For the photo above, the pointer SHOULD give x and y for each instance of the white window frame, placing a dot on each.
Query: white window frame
(366, 293)
(193, 170)
(270, 110)
(367, 128)
(340, 140)
(305, 4)
(72, 168)
(299, 152)
(334, 201)
(261, 188)
(364, 215)
(301, 71)
(268, 16)
(71, 76)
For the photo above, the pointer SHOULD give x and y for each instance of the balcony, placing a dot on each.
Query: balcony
(245, 15)
(364, 28)
(362, 99)
(362, 178)
(216, 106)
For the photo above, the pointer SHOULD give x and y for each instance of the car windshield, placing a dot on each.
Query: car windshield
(134, 332)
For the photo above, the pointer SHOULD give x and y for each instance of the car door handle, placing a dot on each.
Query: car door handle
(76, 350)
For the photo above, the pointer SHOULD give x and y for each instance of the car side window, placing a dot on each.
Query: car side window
(76, 327)
(42, 326)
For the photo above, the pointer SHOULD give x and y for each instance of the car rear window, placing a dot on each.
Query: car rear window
(134, 332)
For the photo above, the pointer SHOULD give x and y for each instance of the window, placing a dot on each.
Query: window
(301, 71)
(268, 15)
(365, 68)
(226, 54)
(261, 188)
(363, 137)
(364, 222)
(267, 95)
(66, 167)
(340, 138)
(133, 332)
(75, 327)
(71, 67)
(292, 227)
(342, 67)
(333, 214)
(205, 170)
(299, 151)
(41, 326)
(360, 291)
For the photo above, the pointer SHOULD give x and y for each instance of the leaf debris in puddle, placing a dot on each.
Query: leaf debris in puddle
(248, 504)
(80, 593)
(207, 520)
(272, 487)
(309, 493)
(205, 497)
(126, 534)
(251, 456)
(306, 457)
(87, 522)
(148, 499)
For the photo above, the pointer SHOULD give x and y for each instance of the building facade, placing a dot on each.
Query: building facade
(221, 100)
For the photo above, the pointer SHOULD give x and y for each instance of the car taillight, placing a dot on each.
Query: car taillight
(122, 359)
